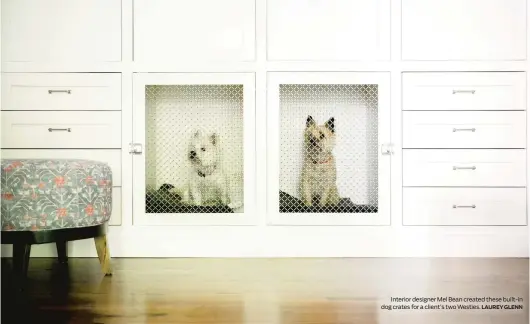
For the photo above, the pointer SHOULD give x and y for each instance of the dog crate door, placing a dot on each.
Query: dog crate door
(193, 149)
(329, 148)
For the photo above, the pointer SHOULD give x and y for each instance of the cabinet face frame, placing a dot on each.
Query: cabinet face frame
(140, 81)
(274, 80)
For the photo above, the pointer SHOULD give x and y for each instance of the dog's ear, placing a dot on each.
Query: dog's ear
(197, 133)
(330, 124)
(214, 138)
(310, 121)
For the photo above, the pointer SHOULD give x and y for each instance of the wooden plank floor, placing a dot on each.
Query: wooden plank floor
(259, 291)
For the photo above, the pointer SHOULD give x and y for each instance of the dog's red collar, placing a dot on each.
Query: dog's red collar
(321, 162)
(204, 174)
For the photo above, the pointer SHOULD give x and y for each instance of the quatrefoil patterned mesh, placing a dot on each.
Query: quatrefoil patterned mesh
(328, 148)
(194, 149)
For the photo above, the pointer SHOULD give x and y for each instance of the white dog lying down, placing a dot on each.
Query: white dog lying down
(207, 180)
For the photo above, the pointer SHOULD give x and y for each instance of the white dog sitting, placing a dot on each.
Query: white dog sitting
(207, 180)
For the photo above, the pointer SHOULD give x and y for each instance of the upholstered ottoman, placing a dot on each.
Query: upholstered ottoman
(45, 201)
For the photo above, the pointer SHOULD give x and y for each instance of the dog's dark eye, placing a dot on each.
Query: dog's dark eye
(203, 149)
(322, 136)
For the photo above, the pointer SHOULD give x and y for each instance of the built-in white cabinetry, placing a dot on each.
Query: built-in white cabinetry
(467, 91)
(61, 31)
(464, 129)
(464, 30)
(464, 149)
(61, 91)
(424, 104)
(332, 30)
(72, 129)
(464, 167)
(176, 31)
(64, 115)
(464, 206)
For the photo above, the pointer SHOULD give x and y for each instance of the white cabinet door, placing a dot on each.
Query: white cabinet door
(196, 133)
(198, 30)
(61, 30)
(327, 137)
(327, 30)
(464, 30)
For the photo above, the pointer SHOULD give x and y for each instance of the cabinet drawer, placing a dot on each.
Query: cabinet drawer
(474, 30)
(112, 157)
(61, 129)
(464, 91)
(463, 129)
(115, 217)
(467, 168)
(61, 30)
(61, 91)
(464, 206)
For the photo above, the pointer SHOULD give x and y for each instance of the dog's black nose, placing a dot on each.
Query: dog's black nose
(193, 154)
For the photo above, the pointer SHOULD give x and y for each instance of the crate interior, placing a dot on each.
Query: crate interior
(354, 108)
(206, 120)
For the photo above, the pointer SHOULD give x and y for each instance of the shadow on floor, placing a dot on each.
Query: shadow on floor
(46, 297)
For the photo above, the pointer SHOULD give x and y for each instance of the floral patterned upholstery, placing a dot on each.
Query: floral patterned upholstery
(54, 194)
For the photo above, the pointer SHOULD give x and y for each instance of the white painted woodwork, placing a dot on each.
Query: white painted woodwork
(472, 30)
(464, 206)
(61, 91)
(426, 49)
(88, 129)
(61, 31)
(464, 91)
(116, 216)
(328, 30)
(199, 30)
(464, 129)
(464, 168)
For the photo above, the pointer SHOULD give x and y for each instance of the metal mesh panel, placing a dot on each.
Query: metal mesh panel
(194, 148)
(328, 148)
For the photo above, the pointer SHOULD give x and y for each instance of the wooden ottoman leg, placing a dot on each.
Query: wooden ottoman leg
(102, 248)
(21, 253)
(62, 251)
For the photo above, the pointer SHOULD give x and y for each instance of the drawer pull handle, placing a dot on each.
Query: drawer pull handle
(69, 130)
(464, 168)
(464, 130)
(59, 91)
(463, 91)
(464, 206)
